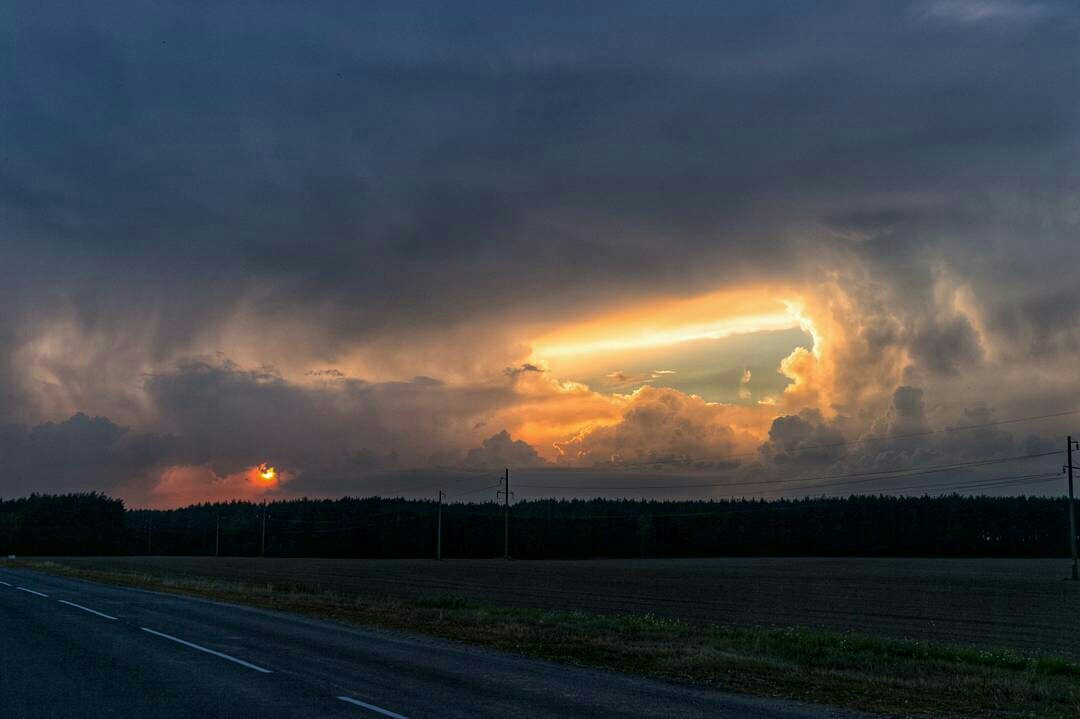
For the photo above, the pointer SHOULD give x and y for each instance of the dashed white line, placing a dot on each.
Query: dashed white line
(372, 707)
(86, 609)
(241, 662)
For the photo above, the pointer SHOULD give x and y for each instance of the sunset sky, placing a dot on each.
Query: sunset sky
(387, 247)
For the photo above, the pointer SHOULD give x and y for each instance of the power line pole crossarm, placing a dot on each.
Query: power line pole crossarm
(1072, 507)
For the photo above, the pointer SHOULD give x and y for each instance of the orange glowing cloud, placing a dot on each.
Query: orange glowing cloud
(665, 423)
(549, 410)
(570, 423)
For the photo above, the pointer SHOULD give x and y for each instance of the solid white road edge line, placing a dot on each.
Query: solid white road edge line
(372, 707)
(86, 609)
(5, 584)
(241, 662)
(31, 591)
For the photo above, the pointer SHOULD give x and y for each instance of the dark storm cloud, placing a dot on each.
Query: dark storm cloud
(240, 417)
(901, 438)
(80, 454)
(947, 346)
(1047, 320)
(346, 150)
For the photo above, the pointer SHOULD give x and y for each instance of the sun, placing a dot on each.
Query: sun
(267, 472)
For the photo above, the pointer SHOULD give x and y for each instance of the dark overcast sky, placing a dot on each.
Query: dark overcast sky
(334, 236)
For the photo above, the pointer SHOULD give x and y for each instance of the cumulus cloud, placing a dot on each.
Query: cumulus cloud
(803, 439)
(744, 381)
(500, 450)
(658, 426)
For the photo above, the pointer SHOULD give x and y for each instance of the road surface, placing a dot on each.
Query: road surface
(76, 649)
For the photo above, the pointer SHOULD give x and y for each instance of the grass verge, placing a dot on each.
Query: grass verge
(856, 671)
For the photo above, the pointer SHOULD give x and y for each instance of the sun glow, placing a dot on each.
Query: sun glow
(267, 473)
(659, 324)
(655, 337)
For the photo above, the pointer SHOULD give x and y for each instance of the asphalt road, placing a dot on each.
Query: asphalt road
(75, 649)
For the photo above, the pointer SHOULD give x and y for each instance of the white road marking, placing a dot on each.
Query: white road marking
(86, 609)
(372, 707)
(31, 591)
(5, 584)
(241, 662)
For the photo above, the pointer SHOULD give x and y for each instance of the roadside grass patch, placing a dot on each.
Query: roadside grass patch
(804, 644)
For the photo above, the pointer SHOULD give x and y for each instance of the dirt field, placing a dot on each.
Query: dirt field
(1022, 603)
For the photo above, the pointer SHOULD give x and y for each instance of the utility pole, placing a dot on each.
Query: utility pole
(217, 536)
(438, 532)
(262, 550)
(1072, 510)
(149, 532)
(505, 492)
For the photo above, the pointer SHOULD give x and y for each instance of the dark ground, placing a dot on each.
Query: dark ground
(1016, 603)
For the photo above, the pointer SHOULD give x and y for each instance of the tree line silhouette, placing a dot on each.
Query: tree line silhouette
(66, 524)
(94, 524)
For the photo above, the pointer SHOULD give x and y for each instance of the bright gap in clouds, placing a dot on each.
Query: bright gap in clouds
(620, 339)
(741, 368)
(724, 347)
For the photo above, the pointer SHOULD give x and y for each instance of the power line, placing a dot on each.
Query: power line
(875, 475)
(1015, 480)
(473, 491)
(960, 484)
(997, 481)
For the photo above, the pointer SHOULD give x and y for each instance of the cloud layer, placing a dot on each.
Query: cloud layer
(320, 238)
